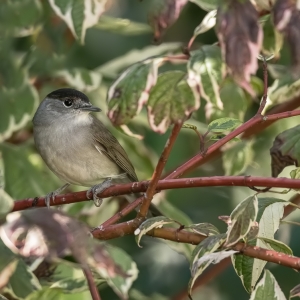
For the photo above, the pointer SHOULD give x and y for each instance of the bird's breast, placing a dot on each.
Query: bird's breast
(73, 155)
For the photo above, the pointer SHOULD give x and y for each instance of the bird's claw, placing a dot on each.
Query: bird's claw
(96, 189)
(49, 197)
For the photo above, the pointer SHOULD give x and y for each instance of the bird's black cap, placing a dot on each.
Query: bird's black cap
(67, 92)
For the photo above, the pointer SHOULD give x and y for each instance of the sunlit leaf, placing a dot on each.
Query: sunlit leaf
(208, 22)
(207, 246)
(149, 224)
(273, 40)
(171, 100)
(205, 73)
(242, 219)
(79, 15)
(276, 245)
(122, 26)
(130, 91)
(224, 124)
(204, 229)
(267, 288)
(269, 215)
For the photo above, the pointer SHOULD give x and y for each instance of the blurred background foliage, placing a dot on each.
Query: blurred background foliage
(38, 54)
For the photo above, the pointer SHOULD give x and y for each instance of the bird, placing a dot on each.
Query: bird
(77, 147)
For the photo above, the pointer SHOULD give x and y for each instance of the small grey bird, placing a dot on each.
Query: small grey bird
(77, 147)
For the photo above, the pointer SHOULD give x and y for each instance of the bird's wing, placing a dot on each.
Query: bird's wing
(113, 149)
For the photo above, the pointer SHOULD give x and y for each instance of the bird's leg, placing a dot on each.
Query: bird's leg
(98, 188)
(53, 194)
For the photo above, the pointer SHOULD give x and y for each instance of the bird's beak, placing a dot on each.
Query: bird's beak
(90, 108)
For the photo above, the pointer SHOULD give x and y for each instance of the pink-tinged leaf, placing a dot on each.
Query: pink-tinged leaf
(171, 100)
(130, 91)
(166, 13)
(240, 36)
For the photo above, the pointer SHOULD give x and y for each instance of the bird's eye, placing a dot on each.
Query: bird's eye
(68, 103)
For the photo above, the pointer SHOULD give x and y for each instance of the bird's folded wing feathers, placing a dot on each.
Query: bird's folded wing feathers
(114, 150)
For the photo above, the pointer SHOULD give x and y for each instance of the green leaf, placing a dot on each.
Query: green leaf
(285, 150)
(19, 161)
(224, 124)
(269, 215)
(231, 108)
(284, 89)
(79, 15)
(276, 245)
(204, 229)
(237, 158)
(137, 295)
(273, 40)
(205, 74)
(112, 68)
(20, 17)
(21, 280)
(207, 246)
(46, 294)
(120, 284)
(18, 98)
(170, 100)
(7, 203)
(207, 4)
(122, 26)
(150, 224)
(242, 219)
(81, 79)
(130, 91)
(72, 285)
(267, 288)
(208, 22)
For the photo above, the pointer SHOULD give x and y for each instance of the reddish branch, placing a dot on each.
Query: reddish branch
(146, 199)
(91, 283)
(165, 184)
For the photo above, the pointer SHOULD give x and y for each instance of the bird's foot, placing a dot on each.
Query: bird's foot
(52, 195)
(98, 188)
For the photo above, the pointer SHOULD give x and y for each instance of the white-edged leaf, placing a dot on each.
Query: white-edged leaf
(208, 22)
(269, 215)
(112, 68)
(7, 203)
(121, 284)
(295, 291)
(267, 288)
(284, 89)
(237, 158)
(20, 18)
(207, 4)
(18, 99)
(79, 15)
(81, 79)
(276, 245)
(242, 219)
(204, 229)
(171, 100)
(71, 285)
(130, 91)
(122, 26)
(205, 73)
(223, 124)
(207, 246)
(149, 224)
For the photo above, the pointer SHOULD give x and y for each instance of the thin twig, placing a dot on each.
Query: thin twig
(158, 171)
(91, 283)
